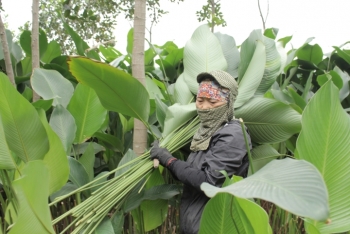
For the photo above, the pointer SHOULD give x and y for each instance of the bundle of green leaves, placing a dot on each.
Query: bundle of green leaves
(111, 194)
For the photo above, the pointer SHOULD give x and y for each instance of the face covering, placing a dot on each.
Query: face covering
(211, 121)
(214, 119)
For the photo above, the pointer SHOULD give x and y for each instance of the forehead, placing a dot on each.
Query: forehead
(212, 84)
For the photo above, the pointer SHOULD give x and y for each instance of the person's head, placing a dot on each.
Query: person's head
(216, 88)
(211, 94)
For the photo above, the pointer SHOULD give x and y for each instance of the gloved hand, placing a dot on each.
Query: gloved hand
(162, 154)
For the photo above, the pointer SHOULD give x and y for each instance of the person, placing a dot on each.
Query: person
(217, 145)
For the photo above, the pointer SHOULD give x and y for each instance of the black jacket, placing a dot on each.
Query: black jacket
(226, 151)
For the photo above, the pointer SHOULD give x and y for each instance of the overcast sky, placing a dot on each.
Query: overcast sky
(327, 21)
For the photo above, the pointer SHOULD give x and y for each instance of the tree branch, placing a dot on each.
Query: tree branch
(262, 17)
(7, 56)
(35, 41)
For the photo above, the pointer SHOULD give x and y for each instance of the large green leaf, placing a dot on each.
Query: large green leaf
(14, 48)
(63, 124)
(53, 50)
(26, 64)
(231, 53)
(268, 120)
(80, 44)
(161, 109)
(67, 188)
(129, 156)
(225, 213)
(105, 227)
(294, 185)
(345, 90)
(153, 89)
(163, 191)
(88, 112)
(153, 212)
(248, 48)
(311, 53)
(43, 104)
(110, 141)
(25, 134)
(50, 84)
(6, 159)
(87, 160)
(262, 155)
(32, 191)
(9, 43)
(81, 148)
(77, 173)
(172, 62)
(253, 217)
(342, 54)
(130, 40)
(55, 159)
(324, 141)
(272, 66)
(118, 222)
(26, 42)
(217, 216)
(117, 90)
(252, 76)
(182, 93)
(177, 115)
(202, 53)
(246, 217)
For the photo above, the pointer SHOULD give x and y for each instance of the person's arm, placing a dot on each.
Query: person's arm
(226, 153)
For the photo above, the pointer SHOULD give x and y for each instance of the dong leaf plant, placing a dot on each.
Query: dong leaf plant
(288, 102)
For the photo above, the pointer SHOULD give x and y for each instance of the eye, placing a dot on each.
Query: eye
(213, 101)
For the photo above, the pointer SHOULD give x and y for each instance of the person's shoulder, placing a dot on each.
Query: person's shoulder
(231, 128)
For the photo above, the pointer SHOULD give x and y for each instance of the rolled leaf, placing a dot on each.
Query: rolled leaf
(231, 53)
(176, 115)
(252, 76)
(182, 92)
(272, 66)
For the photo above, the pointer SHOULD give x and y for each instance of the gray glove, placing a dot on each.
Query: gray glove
(163, 155)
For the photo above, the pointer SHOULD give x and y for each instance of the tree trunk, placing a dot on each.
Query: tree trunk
(138, 70)
(35, 41)
(7, 55)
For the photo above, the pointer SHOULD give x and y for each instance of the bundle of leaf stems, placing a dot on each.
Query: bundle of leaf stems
(112, 193)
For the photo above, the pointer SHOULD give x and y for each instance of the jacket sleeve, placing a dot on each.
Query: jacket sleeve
(227, 152)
